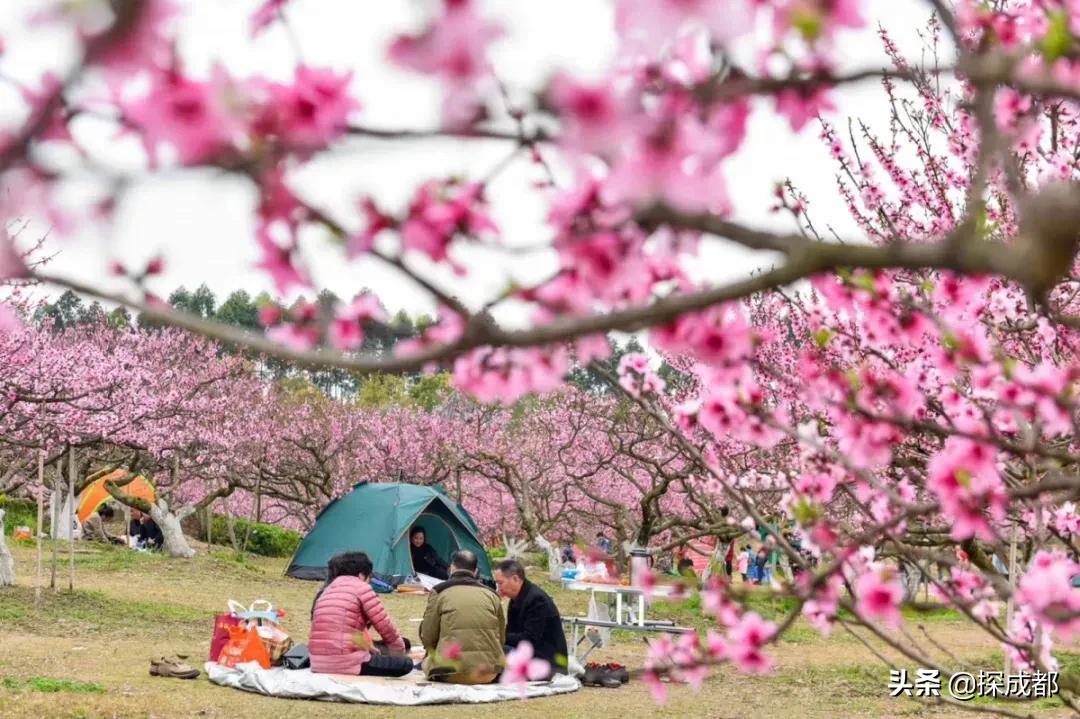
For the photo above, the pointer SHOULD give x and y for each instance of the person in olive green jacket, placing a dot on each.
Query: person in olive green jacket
(464, 627)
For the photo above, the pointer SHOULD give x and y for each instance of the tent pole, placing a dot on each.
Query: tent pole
(71, 520)
(40, 523)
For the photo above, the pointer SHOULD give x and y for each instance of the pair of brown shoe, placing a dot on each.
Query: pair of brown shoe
(174, 668)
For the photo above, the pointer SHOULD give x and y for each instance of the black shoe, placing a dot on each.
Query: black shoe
(619, 672)
(608, 681)
(600, 676)
(591, 678)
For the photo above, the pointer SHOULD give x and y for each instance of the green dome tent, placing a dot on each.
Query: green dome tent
(376, 518)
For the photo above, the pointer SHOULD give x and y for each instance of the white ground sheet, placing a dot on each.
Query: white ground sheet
(409, 690)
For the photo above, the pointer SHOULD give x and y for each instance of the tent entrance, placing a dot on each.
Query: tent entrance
(438, 530)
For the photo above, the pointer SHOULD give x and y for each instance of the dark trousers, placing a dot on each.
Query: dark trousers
(386, 665)
(383, 649)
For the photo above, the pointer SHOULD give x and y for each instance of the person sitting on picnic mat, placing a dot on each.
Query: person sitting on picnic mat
(94, 527)
(533, 616)
(425, 559)
(344, 612)
(463, 628)
(145, 530)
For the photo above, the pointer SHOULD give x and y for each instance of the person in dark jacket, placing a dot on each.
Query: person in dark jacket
(425, 559)
(533, 616)
(147, 533)
(133, 525)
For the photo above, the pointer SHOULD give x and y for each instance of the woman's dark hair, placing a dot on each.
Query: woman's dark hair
(349, 564)
(106, 511)
(417, 530)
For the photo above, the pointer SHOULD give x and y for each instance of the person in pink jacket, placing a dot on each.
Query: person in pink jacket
(346, 609)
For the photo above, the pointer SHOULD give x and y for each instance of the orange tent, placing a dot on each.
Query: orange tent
(95, 493)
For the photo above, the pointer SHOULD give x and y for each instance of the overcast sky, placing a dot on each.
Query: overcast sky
(203, 225)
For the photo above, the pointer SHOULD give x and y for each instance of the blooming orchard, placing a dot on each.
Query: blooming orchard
(896, 395)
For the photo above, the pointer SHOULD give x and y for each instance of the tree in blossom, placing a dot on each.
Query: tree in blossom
(915, 394)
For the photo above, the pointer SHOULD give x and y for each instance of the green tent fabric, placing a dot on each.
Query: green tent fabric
(376, 518)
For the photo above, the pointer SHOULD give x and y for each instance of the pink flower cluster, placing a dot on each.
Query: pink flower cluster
(965, 477)
(453, 48)
(637, 377)
(507, 374)
(968, 589)
(1047, 592)
(304, 325)
(522, 667)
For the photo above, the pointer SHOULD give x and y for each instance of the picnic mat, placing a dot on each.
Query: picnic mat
(409, 690)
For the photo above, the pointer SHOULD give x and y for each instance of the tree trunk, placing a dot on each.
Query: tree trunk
(258, 500)
(71, 519)
(230, 525)
(208, 517)
(911, 578)
(7, 562)
(54, 513)
(175, 543)
(40, 518)
(1009, 605)
(515, 548)
(554, 565)
(255, 515)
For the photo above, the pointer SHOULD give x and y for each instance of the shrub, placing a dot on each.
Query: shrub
(19, 512)
(266, 539)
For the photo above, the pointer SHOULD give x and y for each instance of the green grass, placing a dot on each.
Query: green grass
(236, 559)
(846, 680)
(85, 613)
(108, 558)
(19, 512)
(931, 613)
(768, 605)
(49, 685)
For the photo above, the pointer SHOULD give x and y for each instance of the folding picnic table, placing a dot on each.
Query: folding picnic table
(577, 623)
(617, 597)
(616, 593)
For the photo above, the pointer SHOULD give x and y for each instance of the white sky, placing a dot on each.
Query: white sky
(204, 225)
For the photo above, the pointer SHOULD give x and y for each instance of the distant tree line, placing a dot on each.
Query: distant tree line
(242, 310)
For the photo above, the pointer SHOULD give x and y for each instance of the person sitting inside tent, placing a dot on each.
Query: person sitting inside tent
(533, 616)
(344, 612)
(464, 629)
(94, 527)
(425, 559)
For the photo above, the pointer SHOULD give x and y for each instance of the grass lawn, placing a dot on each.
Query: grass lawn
(86, 654)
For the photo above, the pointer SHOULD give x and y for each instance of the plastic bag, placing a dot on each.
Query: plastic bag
(244, 645)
